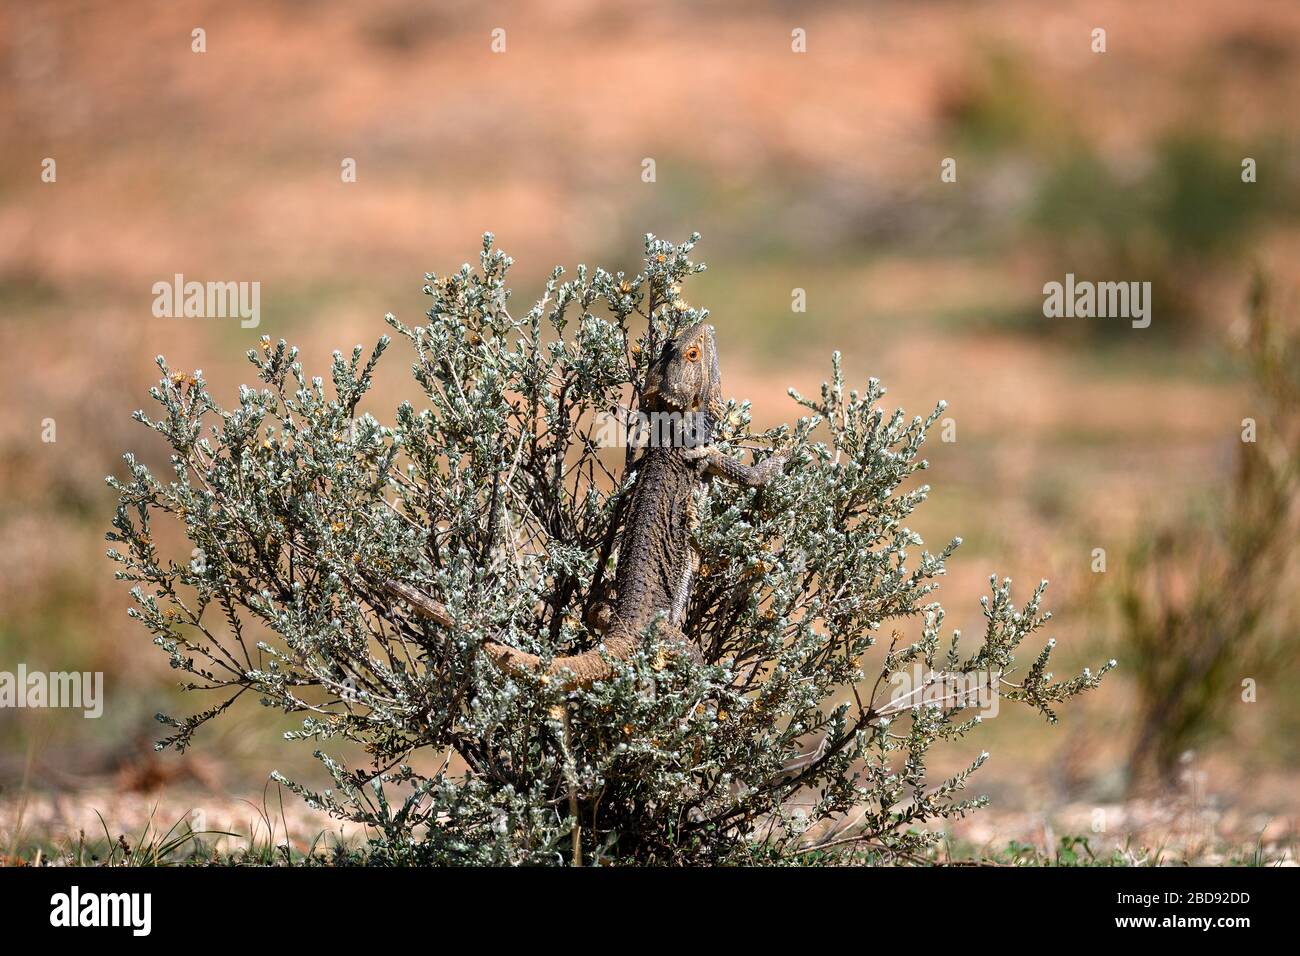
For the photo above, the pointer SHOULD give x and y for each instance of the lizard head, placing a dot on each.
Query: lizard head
(685, 377)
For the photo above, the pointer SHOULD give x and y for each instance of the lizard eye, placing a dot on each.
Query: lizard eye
(693, 353)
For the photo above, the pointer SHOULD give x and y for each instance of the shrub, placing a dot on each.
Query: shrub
(495, 498)
(1201, 609)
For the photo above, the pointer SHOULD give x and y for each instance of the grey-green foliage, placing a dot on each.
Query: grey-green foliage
(492, 495)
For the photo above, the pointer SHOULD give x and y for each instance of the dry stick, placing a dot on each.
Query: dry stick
(421, 603)
(572, 778)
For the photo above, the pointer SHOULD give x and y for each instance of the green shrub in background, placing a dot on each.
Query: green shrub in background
(1202, 614)
(783, 743)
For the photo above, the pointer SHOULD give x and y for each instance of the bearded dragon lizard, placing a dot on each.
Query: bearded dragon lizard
(656, 564)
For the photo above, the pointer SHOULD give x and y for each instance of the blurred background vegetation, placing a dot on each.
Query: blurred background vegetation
(816, 171)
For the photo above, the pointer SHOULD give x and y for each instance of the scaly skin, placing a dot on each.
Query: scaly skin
(656, 563)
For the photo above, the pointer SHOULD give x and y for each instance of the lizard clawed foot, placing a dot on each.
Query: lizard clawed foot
(712, 461)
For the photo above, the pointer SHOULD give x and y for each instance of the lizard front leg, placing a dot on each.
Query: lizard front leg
(711, 460)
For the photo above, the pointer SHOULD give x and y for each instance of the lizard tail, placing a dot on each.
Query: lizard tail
(583, 670)
(579, 670)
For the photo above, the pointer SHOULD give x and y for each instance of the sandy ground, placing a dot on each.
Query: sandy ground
(1172, 831)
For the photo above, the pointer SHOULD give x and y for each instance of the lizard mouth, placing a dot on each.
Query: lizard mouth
(663, 395)
(669, 399)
